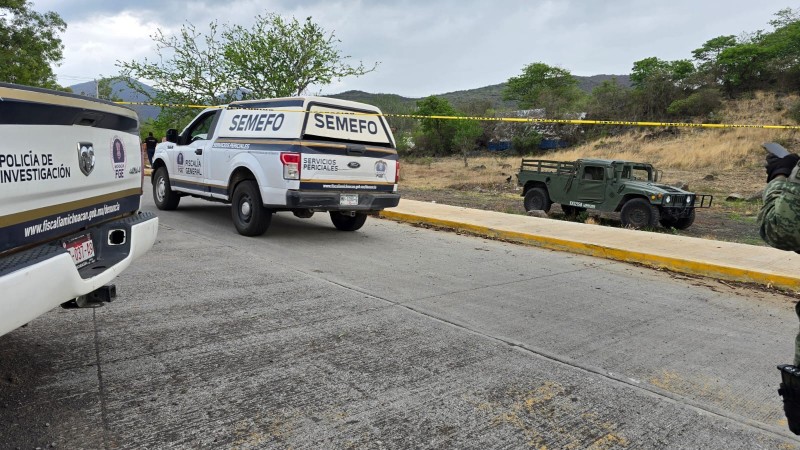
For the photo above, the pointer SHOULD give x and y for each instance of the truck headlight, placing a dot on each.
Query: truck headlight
(668, 199)
(689, 200)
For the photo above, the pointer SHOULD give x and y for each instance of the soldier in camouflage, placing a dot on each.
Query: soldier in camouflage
(779, 225)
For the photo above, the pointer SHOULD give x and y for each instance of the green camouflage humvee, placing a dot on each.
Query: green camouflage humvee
(629, 188)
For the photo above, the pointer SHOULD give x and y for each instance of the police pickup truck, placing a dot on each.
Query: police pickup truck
(70, 191)
(299, 154)
(630, 188)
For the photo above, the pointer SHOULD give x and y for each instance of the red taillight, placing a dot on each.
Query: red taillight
(397, 172)
(291, 166)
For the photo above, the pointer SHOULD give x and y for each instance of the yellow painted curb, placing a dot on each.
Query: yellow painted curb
(656, 261)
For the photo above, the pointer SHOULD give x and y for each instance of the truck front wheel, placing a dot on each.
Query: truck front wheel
(163, 196)
(681, 223)
(345, 222)
(248, 213)
(639, 213)
(537, 199)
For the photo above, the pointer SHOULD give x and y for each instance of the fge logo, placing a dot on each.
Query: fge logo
(118, 157)
(180, 162)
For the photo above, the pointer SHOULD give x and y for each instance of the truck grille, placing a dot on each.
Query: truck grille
(678, 201)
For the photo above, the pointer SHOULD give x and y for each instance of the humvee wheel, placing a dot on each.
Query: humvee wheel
(537, 199)
(685, 222)
(681, 223)
(639, 213)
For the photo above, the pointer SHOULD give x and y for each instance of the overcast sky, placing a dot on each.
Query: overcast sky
(425, 47)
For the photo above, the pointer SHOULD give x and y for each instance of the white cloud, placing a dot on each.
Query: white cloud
(94, 45)
(429, 46)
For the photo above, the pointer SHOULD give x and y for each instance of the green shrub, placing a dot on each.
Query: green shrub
(700, 103)
(527, 144)
(794, 112)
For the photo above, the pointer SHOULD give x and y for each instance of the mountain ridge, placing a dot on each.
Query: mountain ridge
(493, 94)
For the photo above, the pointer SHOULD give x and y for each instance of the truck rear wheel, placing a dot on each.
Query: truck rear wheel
(344, 222)
(248, 213)
(639, 213)
(537, 199)
(163, 196)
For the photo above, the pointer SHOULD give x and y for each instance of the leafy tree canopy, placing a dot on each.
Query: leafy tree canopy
(439, 133)
(274, 58)
(29, 44)
(544, 86)
(279, 58)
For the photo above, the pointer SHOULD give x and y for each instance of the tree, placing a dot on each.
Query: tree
(743, 67)
(785, 16)
(438, 133)
(280, 58)
(105, 89)
(189, 69)
(658, 83)
(610, 101)
(29, 44)
(274, 58)
(465, 137)
(707, 57)
(710, 51)
(543, 86)
(783, 48)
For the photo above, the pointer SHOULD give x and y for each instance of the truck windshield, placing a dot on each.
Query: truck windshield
(640, 173)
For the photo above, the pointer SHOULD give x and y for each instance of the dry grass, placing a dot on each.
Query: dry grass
(733, 156)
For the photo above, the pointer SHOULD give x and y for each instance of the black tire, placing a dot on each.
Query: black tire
(667, 222)
(570, 210)
(679, 223)
(163, 196)
(248, 213)
(685, 222)
(639, 213)
(344, 222)
(537, 199)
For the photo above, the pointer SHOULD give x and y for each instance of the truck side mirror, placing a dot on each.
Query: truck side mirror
(172, 135)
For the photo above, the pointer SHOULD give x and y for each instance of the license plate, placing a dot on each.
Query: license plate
(81, 249)
(348, 199)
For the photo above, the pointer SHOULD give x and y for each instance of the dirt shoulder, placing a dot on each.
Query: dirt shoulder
(491, 186)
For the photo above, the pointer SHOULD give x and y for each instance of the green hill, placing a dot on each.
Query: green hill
(461, 99)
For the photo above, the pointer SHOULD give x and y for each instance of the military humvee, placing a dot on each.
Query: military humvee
(630, 188)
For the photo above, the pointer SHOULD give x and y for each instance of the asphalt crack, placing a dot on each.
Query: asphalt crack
(102, 391)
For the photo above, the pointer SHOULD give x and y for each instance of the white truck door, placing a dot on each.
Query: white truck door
(189, 157)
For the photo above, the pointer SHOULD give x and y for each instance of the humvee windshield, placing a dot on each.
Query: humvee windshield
(641, 173)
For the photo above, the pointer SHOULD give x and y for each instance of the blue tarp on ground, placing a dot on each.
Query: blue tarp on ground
(499, 146)
(550, 144)
(546, 144)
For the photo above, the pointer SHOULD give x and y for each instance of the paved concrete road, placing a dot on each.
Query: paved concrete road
(394, 337)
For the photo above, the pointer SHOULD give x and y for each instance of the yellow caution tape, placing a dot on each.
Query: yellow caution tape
(496, 119)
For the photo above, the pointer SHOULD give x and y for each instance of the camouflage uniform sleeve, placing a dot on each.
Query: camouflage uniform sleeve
(779, 218)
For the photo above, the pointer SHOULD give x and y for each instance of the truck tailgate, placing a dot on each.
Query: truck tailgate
(373, 170)
(65, 163)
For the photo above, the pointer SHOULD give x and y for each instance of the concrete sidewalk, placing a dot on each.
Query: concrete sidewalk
(716, 259)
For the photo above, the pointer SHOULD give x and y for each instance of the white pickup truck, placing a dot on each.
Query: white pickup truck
(70, 192)
(299, 154)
